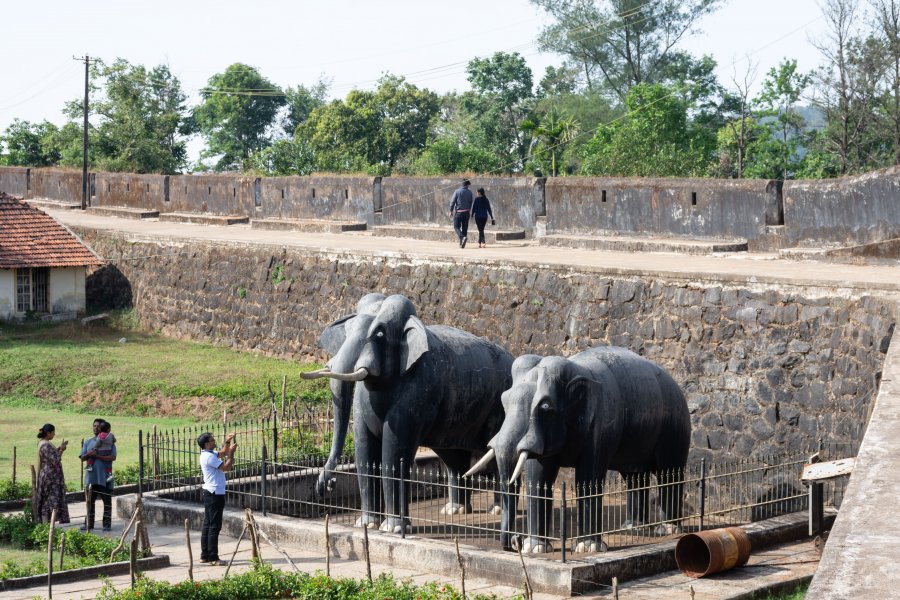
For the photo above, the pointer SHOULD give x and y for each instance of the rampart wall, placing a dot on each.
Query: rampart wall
(764, 368)
(837, 212)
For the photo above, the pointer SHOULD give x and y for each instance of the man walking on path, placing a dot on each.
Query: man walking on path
(213, 467)
(97, 477)
(460, 209)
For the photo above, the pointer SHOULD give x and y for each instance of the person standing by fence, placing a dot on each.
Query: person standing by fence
(51, 485)
(213, 468)
(98, 460)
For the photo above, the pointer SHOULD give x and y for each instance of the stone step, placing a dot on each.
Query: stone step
(639, 244)
(124, 212)
(53, 204)
(307, 225)
(180, 217)
(441, 234)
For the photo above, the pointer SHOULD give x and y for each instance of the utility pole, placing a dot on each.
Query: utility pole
(84, 141)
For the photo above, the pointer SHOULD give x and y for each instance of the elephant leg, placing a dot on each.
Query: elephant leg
(589, 516)
(400, 441)
(368, 457)
(509, 500)
(637, 502)
(539, 479)
(457, 461)
(671, 500)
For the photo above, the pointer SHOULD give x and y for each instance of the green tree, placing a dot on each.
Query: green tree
(653, 139)
(283, 157)
(300, 102)
(775, 154)
(500, 100)
(620, 43)
(142, 119)
(27, 144)
(446, 156)
(235, 115)
(551, 132)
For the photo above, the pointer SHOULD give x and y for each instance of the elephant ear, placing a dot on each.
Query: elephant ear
(578, 390)
(415, 343)
(334, 335)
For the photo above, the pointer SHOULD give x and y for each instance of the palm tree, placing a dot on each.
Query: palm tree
(554, 130)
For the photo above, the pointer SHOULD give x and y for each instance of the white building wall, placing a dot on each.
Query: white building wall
(7, 293)
(67, 289)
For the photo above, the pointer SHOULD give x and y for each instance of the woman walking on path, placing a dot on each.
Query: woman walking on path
(481, 208)
(51, 485)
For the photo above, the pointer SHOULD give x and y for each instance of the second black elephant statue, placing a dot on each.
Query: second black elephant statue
(410, 386)
(604, 408)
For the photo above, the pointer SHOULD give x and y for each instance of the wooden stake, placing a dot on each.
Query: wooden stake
(254, 539)
(62, 549)
(274, 545)
(236, 546)
(692, 592)
(132, 561)
(50, 553)
(121, 543)
(34, 495)
(462, 568)
(327, 549)
(366, 552)
(14, 466)
(615, 588)
(528, 594)
(187, 540)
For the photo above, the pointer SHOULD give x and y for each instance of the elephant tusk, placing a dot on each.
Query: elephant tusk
(357, 375)
(316, 374)
(482, 463)
(523, 456)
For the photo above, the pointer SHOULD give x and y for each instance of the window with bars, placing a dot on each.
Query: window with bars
(31, 290)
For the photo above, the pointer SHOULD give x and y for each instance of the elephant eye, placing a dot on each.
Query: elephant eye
(545, 406)
(379, 334)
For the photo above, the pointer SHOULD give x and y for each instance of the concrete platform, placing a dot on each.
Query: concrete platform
(204, 219)
(53, 204)
(124, 212)
(307, 225)
(643, 244)
(442, 234)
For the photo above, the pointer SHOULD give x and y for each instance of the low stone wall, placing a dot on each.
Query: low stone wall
(683, 207)
(131, 190)
(214, 194)
(14, 181)
(850, 210)
(319, 197)
(764, 369)
(56, 184)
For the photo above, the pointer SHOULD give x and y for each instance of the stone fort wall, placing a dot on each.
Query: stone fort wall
(764, 369)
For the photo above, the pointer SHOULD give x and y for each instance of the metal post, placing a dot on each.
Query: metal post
(562, 522)
(140, 463)
(263, 479)
(402, 499)
(702, 491)
(275, 436)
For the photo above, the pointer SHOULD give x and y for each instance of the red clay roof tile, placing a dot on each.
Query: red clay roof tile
(31, 238)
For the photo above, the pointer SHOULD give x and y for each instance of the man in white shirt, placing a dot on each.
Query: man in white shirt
(214, 464)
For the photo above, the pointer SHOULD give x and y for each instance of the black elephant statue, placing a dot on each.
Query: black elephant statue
(604, 408)
(410, 386)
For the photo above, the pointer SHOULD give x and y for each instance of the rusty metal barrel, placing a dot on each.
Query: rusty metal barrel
(707, 552)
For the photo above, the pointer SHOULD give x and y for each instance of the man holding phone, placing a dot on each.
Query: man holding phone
(214, 464)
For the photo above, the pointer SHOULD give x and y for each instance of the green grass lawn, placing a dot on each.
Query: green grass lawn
(67, 374)
(36, 560)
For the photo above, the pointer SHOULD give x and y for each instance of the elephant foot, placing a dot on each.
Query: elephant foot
(452, 508)
(495, 509)
(370, 521)
(393, 525)
(664, 529)
(533, 546)
(591, 546)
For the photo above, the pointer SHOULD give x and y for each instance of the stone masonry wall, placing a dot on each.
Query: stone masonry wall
(764, 370)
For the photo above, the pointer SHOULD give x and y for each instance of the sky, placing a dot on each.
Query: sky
(351, 42)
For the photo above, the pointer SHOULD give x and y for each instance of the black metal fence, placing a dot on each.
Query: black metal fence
(279, 459)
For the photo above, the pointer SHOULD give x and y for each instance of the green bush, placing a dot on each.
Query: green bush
(14, 491)
(266, 582)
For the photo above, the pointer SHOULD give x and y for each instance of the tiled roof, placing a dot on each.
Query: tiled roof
(32, 238)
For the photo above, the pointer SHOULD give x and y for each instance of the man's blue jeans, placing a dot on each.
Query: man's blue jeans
(461, 224)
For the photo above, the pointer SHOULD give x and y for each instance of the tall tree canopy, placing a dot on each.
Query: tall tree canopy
(27, 144)
(238, 108)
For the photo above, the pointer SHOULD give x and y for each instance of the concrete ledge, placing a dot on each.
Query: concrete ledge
(581, 574)
(124, 212)
(54, 204)
(309, 225)
(441, 234)
(179, 217)
(118, 568)
(71, 497)
(636, 244)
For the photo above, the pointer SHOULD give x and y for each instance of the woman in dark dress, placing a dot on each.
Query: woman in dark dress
(51, 485)
(481, 209)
